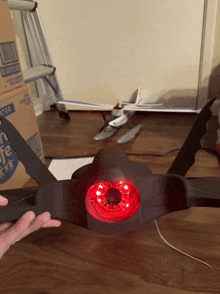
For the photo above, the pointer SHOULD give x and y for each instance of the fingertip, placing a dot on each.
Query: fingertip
(52, 223)
(58, 224)
(48, 216)
(3, 201)
(30, 215)
(45, 216)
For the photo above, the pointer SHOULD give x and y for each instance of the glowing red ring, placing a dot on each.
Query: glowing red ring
(112, 201)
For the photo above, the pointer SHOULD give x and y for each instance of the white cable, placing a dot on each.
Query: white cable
(182, 251)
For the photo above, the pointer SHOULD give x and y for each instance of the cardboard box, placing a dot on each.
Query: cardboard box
(11, 76)
(18, 108)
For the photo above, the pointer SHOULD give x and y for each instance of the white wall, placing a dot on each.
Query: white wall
(105, 49)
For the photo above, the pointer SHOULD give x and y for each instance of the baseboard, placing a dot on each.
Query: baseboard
(38, 109)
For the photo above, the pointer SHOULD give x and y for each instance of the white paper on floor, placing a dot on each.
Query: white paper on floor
(63, 169)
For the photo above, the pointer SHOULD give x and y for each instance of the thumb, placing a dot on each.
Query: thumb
(3, 201)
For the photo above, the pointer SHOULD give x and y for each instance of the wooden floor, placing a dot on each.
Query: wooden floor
(71, 259)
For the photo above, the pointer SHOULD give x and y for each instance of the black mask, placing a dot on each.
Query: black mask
(112, 195)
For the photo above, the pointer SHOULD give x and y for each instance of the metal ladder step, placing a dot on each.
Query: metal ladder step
(34, 73)
(22, 5)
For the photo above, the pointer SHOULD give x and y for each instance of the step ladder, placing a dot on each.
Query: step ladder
(42, 71)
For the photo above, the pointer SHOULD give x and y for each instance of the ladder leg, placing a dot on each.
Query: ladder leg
(48, 62)
(42, 72)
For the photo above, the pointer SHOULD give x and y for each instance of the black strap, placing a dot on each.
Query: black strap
(206, 192)
(186, 156)
(19, 195)
(33, 165)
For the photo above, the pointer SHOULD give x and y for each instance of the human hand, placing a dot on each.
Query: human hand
(11, 232)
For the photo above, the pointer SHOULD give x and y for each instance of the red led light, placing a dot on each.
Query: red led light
(112, 201)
